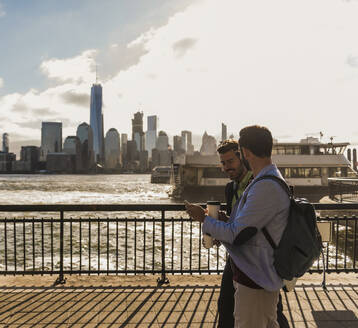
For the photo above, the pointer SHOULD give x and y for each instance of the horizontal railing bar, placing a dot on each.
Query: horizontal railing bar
(29, 272)
(94, 220)
(184, 271)
(69, 272)
(338, 270)
(93, 208)
(336, 206)
(124, 219)
(137, 207)
(349, 218)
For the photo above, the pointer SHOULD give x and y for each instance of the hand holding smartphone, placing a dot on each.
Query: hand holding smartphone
(187, 204)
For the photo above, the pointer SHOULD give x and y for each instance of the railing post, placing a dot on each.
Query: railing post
(61, 279)
(163, 279)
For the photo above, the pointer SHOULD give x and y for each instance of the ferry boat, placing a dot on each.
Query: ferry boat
(306, 165)
(164, 174)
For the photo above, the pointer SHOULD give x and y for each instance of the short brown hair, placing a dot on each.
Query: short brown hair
(227, 145)
(257, 139)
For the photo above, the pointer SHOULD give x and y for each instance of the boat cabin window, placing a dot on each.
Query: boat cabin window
(308, 149)
(301, 172)
(316, 172)
(305, 150)
(338, 172)
(285, 150)
(162, 169)
(313, 172)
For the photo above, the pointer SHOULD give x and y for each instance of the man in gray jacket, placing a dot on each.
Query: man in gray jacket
(257, 285)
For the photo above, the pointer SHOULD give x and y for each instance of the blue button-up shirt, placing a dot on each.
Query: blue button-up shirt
(266, 205)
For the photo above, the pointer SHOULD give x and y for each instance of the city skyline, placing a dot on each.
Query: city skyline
(258, 64)
(45, 141)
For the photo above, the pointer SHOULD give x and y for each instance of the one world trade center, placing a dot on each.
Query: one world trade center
(96, 122)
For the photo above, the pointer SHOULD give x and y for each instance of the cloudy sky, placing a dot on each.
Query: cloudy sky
(290, 65)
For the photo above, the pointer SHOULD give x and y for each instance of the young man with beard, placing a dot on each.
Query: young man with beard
(240, 176)
(263, 204)
(231, 164)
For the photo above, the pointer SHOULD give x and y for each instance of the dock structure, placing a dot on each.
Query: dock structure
(137, 301)
(343, 189)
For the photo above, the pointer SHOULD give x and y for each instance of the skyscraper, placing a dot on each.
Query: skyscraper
(223, 132)
(152, 123)
(162, 141)
(137, 130)
(72, 146)
(96, 122)
(5, 143)
(178, 144)
(85, 135)
(124, 140)
(30, 156)
(187, 140)
(151, 134)
(51, 138)
(112, 149)
(208, 146)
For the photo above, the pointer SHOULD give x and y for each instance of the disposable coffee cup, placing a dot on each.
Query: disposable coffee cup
(213, 208)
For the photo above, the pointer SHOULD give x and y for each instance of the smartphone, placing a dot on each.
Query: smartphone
(186, 203)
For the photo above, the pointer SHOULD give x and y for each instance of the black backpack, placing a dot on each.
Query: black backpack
(301, 242)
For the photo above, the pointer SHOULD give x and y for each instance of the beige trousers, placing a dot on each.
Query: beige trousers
(255, 308)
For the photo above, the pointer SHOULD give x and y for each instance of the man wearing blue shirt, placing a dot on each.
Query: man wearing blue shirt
(265, 204)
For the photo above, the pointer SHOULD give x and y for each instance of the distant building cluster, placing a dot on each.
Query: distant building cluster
(90, 151)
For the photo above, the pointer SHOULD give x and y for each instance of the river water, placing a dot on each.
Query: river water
(95, 189)
(80, 189)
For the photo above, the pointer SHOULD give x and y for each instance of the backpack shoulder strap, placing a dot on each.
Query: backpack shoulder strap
(269, 238)
(284, 185)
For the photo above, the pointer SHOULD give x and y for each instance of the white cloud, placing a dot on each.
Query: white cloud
(77, 69)
(286, 64)
(1, 82)
(278, 63)
(24, 112)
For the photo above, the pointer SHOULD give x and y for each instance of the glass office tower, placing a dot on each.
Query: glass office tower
(51, 138)
(96, 123)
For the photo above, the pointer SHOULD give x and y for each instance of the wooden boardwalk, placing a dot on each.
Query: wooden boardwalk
(136, 301)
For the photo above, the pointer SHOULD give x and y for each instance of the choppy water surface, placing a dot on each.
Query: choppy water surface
(80, 189)
(89, 189)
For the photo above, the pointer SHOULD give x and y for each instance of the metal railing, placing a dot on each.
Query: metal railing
(145, 241)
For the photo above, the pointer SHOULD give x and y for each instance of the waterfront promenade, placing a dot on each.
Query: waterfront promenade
(137, 301)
